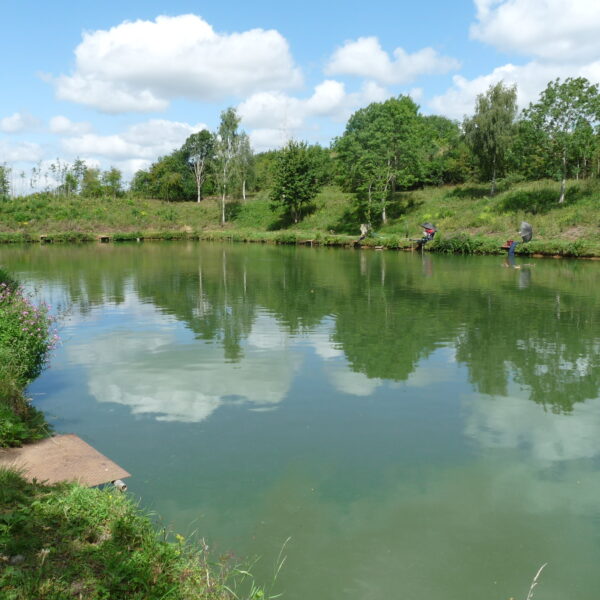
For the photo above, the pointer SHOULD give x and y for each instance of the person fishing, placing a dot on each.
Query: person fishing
(429, 231)
(526, 233)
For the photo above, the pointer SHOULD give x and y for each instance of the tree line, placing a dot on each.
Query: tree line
(386, 147)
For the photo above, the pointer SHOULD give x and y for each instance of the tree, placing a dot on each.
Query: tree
(199, 149)
(382, 149)
(562, 110)
(78, 169)
(112, 181)
(169, 178)
(489, 131)
(90, 185)
(227, 151)
(447, 158)
(295, 179)
(4, 181)
(245, 161)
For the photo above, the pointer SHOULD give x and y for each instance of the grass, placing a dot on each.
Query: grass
(66, 541)
(468, 218)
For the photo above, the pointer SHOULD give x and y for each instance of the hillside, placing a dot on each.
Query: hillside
(468, 219)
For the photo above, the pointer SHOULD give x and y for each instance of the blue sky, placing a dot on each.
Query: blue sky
(121, 83)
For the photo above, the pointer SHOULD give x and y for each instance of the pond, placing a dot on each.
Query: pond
(419, 427)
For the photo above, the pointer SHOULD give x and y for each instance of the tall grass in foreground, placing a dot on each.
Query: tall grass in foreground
(25, 343)
(66, 541)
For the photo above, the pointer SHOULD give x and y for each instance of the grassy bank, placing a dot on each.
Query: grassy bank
(66, 541)
(468, 218)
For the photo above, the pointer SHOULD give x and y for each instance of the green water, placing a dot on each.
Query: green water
(421, 427)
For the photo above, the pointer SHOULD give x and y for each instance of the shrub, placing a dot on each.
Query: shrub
(25, 343)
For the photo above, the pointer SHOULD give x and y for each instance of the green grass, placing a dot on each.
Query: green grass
(67, 541)
(468, 218)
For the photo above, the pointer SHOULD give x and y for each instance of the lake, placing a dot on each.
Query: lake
(420, 427)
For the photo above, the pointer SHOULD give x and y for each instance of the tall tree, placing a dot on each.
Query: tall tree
(382, 150)
(562, 110)
(199, 149)
(245, 161)
(227, 152)
(295, 179)
(91, 186)
(112, 181)
(489, 131)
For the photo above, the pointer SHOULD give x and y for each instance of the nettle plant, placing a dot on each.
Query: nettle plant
(26, 334)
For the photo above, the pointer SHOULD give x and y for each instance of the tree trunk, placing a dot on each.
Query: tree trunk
(223, 209)
(563, 184)
(563, 187)
(244, 190)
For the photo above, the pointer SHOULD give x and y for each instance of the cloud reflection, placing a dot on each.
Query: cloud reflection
(516, 422)
(153, 373)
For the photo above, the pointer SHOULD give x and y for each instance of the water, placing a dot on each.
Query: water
(419, 426)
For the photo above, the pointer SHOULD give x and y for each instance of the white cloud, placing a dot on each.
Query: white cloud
(557, 30)
(531, 79)
(17, 123)
(21, 152)
(146, 141)
(139, 66)
(366, 58)
(63, 126)
(276, 117)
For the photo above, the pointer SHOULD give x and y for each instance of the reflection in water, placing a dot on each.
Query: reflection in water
(422, 426)
(512, 422)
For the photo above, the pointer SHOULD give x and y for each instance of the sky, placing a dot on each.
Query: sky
(123, 83)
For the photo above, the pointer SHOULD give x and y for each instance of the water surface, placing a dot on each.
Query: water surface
(421, 427)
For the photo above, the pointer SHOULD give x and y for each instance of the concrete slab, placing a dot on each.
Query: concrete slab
(62, 458)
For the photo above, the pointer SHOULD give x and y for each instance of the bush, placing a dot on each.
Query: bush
(25, 343)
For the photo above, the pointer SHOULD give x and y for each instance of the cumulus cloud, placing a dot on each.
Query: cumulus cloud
(557, 30)
(366, 58)
(276, 117)
(140, 66)
(21, 152)
(560, 36)
(64, 126)
(145, 141)
(17, 123)
(531, 79)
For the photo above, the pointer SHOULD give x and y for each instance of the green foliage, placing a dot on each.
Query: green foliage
(25, 342)
(489, 131)
(199, 149)
(388, 146)
(112, 182)
(78, 542)
(4, 181)
(297, 177)
(562, 124)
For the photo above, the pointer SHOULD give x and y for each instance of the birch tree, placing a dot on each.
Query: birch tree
(489, 131)
(227, 151)
(199, 149)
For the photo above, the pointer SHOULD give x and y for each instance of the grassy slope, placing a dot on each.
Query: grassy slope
(457, 211)
(66, 541)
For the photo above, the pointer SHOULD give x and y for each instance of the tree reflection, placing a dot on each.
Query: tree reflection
(388, 311)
